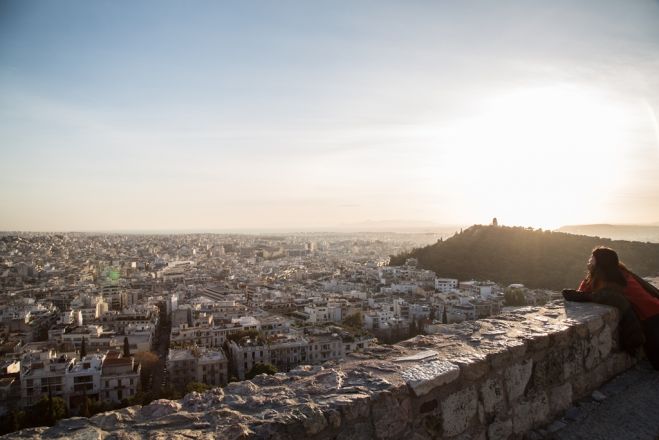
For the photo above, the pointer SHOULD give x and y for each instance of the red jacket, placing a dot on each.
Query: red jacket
(644, 304)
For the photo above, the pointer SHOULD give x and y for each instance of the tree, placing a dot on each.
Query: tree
(45, 411)
(514, 297)
(260, 369)
(170, 393)
(126, 347)
(83, 348)
(196, 386)
(355, 320)
(251, 334)
(150, 362)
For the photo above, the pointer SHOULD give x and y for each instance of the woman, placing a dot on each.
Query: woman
(608, 281)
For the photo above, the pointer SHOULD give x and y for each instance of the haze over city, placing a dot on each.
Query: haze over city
(300, 116)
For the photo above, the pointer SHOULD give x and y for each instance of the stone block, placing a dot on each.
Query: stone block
(432, 426)
(580, 385)
(500, 430)
(500, 359)
(619, 362)
(594, 324)
(561, 338)
(517, 349)
(592, 354)
(605, 342)
(573, 359)
(425, 377)
(391, 417)
(517, 377)
(492, 394)
(472, 367)
(469, 435)
(428, 406)
(612, 318)
(540, 408)
(598, 375)
(357, 431)
(549, 371)
(522, 417)
(353, 406)
(581, 330)
(560, 398)
(333, 418)
(457, 411)
(539, 341)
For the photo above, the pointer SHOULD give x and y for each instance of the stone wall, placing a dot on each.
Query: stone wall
(495, 378)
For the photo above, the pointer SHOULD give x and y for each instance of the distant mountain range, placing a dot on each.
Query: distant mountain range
(649, 233)
(535, 258)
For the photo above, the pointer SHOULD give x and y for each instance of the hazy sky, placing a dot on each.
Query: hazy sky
(309, 114)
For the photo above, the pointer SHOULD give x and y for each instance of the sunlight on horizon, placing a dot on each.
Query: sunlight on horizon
(530, 151)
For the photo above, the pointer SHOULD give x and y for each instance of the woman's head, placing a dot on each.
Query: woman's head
(605, 267)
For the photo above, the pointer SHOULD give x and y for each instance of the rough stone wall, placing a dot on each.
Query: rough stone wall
(490, 379)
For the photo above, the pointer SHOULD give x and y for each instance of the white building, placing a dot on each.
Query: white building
(317, 313)
(120, 377)
(445, 284)
(42, 373)
(197, 365)
(83, 379)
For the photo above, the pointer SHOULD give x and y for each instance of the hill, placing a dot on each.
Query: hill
(535, 258)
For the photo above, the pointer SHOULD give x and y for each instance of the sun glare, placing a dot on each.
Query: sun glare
(542, 156)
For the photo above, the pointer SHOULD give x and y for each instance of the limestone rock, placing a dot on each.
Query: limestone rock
(156, 409)
(517, 377)
(458, 409)
(423, 378)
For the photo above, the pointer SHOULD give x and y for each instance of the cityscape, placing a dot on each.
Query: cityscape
(329, 220)
(104, 321)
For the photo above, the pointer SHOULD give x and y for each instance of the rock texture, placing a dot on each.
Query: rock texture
(494, 378)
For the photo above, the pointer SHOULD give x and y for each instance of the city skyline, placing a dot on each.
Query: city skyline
(289, 116)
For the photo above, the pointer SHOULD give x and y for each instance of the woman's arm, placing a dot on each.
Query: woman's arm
(574, 295)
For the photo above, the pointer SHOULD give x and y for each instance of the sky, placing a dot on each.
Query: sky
(298, 115)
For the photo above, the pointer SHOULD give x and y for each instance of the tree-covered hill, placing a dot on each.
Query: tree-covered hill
(535, 258)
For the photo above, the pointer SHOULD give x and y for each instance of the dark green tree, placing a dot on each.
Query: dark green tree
(126, 347)
(83, 348)
(355, 320)
(45, 411)
(260, 369)
(514, 297)
(196, 386)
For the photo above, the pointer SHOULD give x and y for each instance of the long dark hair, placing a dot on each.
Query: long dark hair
(607, 268)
